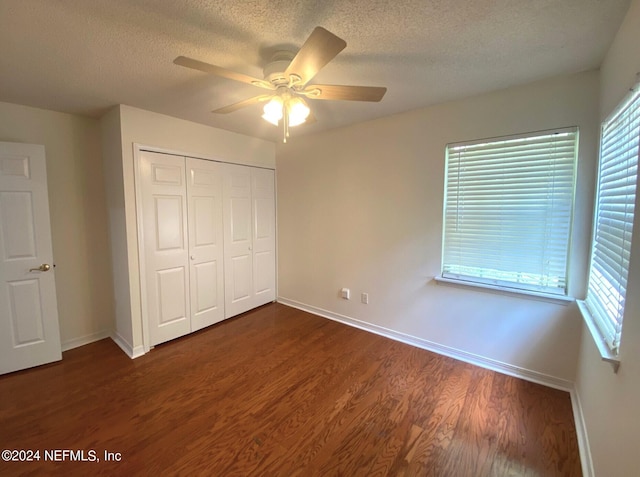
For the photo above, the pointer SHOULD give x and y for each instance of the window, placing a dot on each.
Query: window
(508, 210)
(613, 219)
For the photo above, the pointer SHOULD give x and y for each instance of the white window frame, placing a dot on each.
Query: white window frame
(511, 281)
(603, 315)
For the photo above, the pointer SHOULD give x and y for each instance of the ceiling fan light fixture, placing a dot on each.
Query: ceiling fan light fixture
(273, 110)
(297, 111)
(295, 107)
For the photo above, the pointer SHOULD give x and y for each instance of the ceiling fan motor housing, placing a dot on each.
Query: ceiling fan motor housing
(274, 70)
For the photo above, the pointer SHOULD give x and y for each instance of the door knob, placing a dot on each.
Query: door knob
(45, 267)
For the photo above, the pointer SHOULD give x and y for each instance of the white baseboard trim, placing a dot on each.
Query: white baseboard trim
(124, 345)
(487, 363)
(83, 340)
(583, 439)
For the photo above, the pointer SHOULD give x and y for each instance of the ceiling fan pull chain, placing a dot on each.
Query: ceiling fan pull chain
(285, 123)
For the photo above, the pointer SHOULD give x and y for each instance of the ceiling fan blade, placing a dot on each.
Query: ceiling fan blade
(320, 48)
(241, 104)
(222, 72)
(344, 93)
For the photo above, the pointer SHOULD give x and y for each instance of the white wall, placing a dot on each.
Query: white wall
(78, 215)
(136, 126)
(361, 207)
(610, 402)
(111, 140)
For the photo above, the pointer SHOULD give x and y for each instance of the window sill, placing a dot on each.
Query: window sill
(605, 352)
(559, 299)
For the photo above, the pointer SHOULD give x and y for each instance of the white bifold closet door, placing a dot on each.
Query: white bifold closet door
(206, 252)
(183, 252)
(249, 238)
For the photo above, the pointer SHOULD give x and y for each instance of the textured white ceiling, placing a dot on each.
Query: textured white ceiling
(84, 56)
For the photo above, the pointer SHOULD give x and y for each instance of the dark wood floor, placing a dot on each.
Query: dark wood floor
(280, 392)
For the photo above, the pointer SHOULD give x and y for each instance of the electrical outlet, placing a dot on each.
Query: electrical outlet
(364, 298)
(345, 293)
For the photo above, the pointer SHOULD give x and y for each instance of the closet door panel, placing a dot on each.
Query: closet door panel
(238, 253)
(264, 238)
(241, 272)
(165, 235)
(263, 277)
(204, 193)
(171, 283)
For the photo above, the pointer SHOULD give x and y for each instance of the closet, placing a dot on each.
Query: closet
(207, 240)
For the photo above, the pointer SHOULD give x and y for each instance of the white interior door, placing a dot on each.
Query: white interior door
(165, 236)
(238, 233)
(204, 192)
(29, 332)
(264, 236)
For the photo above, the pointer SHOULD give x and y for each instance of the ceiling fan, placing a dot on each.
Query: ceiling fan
(287, 78)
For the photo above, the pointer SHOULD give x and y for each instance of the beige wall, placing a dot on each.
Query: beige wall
(78, 215)
(610, 402)
(136, 126)
(361, 207)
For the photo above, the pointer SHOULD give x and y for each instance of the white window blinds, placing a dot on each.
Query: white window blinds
(615, 201)
(508, 210)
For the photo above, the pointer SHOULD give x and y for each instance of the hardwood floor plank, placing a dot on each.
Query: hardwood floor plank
(472, 451)
(427, 454)
(280, 392)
